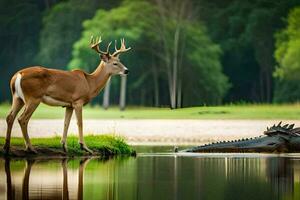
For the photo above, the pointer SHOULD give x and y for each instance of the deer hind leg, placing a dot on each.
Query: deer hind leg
(17, 104)
(23, 121)
(78, 112)
(68, 115)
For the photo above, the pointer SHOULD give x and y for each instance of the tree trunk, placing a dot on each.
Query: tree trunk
(269, 86)
(106, 95)
(156, 85)
(180, 72)
(261, 85)
(163, 33)
(173, 11)
(175, 66)
(122, 101)
(179, 95)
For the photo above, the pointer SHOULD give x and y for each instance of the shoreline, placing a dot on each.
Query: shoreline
(152, 132)
(102, 146)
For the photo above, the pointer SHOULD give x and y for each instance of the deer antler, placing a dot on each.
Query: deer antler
(94, 43)
(122, 48)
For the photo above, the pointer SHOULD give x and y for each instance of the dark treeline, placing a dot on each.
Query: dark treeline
(245, 30)
(184, 53)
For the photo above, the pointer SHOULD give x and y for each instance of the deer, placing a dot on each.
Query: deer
(69, 89)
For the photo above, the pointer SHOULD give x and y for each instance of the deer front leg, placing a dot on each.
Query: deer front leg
(82, 166)
(78, 112)
(68, 115)
(26, 177)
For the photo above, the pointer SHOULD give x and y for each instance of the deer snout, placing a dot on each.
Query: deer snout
(126, 71)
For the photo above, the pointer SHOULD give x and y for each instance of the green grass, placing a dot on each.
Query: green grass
(247, 111)
(104, 144)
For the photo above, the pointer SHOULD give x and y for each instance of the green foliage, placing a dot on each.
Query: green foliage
(61, 28)
(204, 82)
(20, 22)
(288, 48)
(245, 30)
(239, 40)
(287, 55)
(287, 91)
(117, 23)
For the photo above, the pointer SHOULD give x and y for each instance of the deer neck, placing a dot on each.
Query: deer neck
(98, 79)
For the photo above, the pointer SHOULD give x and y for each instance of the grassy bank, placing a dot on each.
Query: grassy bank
(248, 111)
(101, 145)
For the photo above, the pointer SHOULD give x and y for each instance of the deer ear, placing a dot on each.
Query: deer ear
(105, 57)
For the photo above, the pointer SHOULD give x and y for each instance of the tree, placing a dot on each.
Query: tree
(203, 80)
(18, 42)
(245, 31)
(62, 26)
(166, 68)
(287, 56)
(116, 23)
(187, 50)
(259, 31)
(171, 30)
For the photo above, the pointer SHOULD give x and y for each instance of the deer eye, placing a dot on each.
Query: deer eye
(115, 63)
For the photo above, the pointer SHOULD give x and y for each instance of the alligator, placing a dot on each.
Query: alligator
(276, 139)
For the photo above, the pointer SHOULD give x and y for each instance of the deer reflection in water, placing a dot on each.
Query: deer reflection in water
(146, 176)
(25, 189)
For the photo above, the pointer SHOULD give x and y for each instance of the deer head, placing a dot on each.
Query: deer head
(111, 61)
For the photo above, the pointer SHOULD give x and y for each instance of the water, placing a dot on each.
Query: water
(154, 176)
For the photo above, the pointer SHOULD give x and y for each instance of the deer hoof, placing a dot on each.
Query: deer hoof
(85, 148)
(64, 146)
(6, 148)
(31, 150)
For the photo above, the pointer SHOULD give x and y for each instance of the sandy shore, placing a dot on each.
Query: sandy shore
(148, 132)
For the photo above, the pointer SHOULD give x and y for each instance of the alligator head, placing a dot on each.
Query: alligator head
(277, 138)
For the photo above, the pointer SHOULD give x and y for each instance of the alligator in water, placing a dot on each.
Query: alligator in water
(276, 139)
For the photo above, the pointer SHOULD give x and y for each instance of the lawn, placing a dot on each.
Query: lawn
(247, 111)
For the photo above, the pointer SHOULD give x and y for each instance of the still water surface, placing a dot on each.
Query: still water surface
(154, 176)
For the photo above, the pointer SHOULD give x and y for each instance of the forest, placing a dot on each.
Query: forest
(184, 53)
